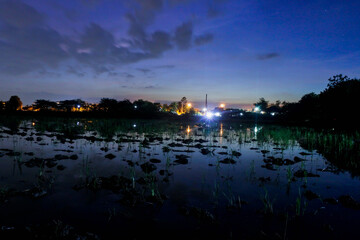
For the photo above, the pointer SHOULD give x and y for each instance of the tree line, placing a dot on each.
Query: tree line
(337, 103)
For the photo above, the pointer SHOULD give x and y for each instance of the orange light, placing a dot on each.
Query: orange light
(188, 129)
(222, 105)
(189, 105)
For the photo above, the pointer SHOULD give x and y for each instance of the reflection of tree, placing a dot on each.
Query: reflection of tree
(12, 123)
(339, 148)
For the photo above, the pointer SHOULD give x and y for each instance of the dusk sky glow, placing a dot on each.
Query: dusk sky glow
(161, 50)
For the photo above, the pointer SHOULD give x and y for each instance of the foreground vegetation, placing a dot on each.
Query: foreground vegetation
(105, 178)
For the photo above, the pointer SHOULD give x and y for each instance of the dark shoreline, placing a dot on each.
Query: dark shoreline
(248, 118)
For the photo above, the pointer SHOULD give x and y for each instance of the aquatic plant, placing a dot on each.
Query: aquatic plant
(267, 203)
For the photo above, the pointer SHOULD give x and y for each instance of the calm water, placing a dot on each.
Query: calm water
(135, 179)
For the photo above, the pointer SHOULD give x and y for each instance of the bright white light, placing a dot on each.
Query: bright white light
(78, 106)
(204, 109)
(262, 112)
(241, 114)
(272, 114)
(209, 115)
(256, 109)
(255, 129)
(217, 114)
(222, 105)
(134, 125)
(78, 123)
(135, 107)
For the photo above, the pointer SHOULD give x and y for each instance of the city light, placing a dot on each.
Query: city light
(189, 105)
(204, 109)
(222, 105)
(256, 109)
(217, 114)
(209, 115)
(272, 114)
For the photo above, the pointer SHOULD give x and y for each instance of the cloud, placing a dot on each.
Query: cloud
(25, 43)
(128, 75)
(28, 44)
(212, 12)
(203, 39)
(183, 35)
(74, 71)
(166, 66)
(91, 3)
(144, 70)
(159, 43)
(214, 7)
(44, 72)
(267, 56)
(19, 15)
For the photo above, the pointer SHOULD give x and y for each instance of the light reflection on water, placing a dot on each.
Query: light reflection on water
(207, 180)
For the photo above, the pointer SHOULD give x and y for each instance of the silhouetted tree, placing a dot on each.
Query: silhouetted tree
(145, 106)
(173, 107)
(14, 104)
(68, 105)
(339, 101)
(125, 106)
(262, 104)
(108, 104)
(42, 104)
(337, 80)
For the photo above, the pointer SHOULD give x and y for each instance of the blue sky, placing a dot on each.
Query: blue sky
(162, 50)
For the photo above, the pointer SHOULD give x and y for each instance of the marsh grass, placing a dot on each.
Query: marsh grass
(267, 203)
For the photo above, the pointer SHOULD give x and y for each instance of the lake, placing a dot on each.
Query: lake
(108, 178)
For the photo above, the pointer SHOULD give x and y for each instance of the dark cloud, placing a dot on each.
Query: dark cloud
(27, 44)
(183, 35)
(98, 50)
(214, 8)
(91, 3)
(159, 43)
(267, 56)
(24, 50)
(113, 74)
(19, 15)
(74, 71)
(128, 75)
(44, 72)
(166, 66)
(143, 70)
(212, 12)
(203, 39)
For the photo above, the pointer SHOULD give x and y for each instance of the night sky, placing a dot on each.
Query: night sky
(161, 50)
